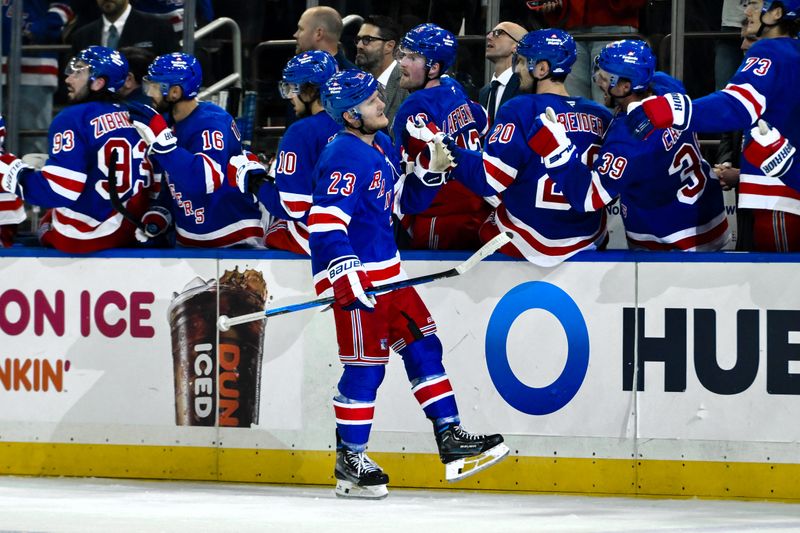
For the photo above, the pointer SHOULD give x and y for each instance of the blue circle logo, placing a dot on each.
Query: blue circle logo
(533, 400)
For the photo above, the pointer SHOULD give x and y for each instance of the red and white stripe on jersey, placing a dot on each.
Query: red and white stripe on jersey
(354, 414)
(753, 101)
(597, 197)
(64, 182)
(322, 219)
(380, 273)
(294, 235)
(296, 205)
(763, 192)
(540, 250)
(429, 329)
(63, 11)
(498, 174)
(12, 210)
(247, 232)
(432, 391)
(213, 173)
(36, 71)
(709, 237)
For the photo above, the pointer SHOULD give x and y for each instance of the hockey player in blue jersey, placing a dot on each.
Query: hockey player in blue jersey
(669, 197)
(288, 197)
(546, 229)
(353, 249)
(454, 216)
(763, 88)
(208, 211)
(85, 138)
(12, 209)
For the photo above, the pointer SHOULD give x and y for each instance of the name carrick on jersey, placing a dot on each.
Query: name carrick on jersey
(764, 87)
(546, 229)
(84, 139)
(670, 199)
(352, 208)
(289, 197)
(208, 211)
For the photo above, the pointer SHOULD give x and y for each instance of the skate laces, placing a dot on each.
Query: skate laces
(361, 462)
(462, 434)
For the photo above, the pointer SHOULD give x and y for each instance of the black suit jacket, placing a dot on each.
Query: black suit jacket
(512, 90)
(141, 29)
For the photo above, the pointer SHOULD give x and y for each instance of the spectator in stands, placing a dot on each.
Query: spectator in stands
(138, 61)
(500, 45)
(320, 28)
(584, 16)
(43, 24)
(172, 11)
(728, 53)
(376, 44)
(122, 26)
(208, 211)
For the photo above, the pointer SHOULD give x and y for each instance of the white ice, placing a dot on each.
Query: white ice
(39, 505)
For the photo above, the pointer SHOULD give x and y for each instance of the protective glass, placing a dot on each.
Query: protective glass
(367, 39)
(150, 85)
(288, 89)
(403, 53)
(75, 66)
(498, 32)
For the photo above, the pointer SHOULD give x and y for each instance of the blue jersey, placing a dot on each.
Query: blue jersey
(670, 199)
(546, 229)
(763, 87)
(84, 139)
(208, 211)
(352, 208)
(289, 197)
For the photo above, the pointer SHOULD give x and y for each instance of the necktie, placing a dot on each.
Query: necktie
(492, 105)
(113, 37)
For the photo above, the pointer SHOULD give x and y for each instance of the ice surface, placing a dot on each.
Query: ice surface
(119, 506)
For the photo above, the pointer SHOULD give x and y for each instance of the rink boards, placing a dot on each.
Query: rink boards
(615, 373)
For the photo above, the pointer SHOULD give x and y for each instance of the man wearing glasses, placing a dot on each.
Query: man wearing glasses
(376, 43)
(500, 45)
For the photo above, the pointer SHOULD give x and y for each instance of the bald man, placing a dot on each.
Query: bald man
(320, 28)
(500, 45)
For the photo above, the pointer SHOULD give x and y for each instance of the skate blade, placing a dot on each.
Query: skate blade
(348, 489)
(462, 468)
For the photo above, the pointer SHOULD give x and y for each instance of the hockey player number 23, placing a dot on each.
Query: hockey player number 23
(337, 187)
(687, 161)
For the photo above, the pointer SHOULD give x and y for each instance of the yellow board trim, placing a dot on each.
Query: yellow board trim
(626, 477)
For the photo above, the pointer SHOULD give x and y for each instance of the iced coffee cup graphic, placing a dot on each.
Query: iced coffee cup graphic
(217, 387)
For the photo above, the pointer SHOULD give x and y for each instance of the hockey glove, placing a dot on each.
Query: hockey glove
(152, 128)
(156, 222)
(420, 133)
(769, 150)
(349, 281)
(673, 110)
(434, 162)
(10, 168)
(550, 140)
(246, 172)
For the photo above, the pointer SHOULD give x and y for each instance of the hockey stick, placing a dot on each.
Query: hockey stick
(224, 323)
(116, 202)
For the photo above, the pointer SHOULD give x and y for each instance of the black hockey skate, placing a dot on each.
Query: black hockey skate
(464, 453)
(358, 476)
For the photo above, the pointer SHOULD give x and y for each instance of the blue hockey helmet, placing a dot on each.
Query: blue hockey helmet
(436, 44)
(314, 67)
(555, 46)
(178, 69)
(102, 63)
(345, 90)
(629, 59)
(662, 83)
(791, 8)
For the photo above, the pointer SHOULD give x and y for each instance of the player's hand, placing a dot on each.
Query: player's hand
(152, 128)
(550, 140)
(246, 172)
(727, 175)
(10, 168)
(156, 222)
(350, 281)
(768, 150)
(673, 110)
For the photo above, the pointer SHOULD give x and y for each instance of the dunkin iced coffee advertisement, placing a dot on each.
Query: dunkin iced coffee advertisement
(217, 386)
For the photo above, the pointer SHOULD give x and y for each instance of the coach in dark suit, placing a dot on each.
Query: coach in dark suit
(120, 26)
(500, 45)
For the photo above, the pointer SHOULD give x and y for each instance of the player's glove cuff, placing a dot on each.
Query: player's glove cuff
(350, 281)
